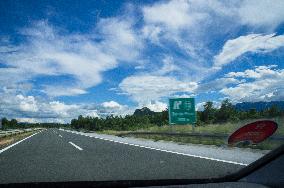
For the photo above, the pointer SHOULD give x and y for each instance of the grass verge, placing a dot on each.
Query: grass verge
(224, 128)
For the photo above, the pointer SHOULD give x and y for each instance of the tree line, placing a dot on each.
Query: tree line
(210, 115)
(14, 124)
(119, 123)
(148, 118)
(227, 113)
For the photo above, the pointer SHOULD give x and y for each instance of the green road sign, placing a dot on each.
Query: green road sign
(182, 111)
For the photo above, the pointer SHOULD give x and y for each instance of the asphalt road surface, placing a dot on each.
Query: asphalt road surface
(56, 155)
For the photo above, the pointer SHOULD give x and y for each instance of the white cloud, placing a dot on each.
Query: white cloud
(31, 109)
(262, 13)
(172, 14)
(156, 106)
(265, 84)
(168, 66)
(121, 40)
(13, 79)
(92, 113)
(50, 52)
(63, 91)
(184, 95)
(27, 104)
(183, 26)
(257, 43)
(61, 108)
(185, 14)
(111, 104)
(259, 72)
(217, 84)
(114, 108)
(200, 106)
(152, 32)
(145, 88)
(186, 23)
(168, 21)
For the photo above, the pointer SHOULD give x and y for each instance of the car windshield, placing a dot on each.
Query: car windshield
(138, 90)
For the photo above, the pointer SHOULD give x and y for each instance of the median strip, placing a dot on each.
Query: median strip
(75, 146)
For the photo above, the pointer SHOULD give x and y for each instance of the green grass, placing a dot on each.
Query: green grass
(225, 128)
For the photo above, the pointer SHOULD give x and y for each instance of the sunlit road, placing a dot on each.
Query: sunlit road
(56, 155)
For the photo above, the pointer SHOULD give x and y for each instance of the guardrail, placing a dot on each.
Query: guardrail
(15, 131)
(207, 135)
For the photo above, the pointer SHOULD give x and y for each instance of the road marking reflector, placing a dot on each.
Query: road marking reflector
(75, 145)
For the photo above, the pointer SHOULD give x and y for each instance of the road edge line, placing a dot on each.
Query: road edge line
(158, 149)
(8, 147)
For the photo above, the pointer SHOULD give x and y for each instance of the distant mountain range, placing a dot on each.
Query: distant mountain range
(259, 106)
(143, 111)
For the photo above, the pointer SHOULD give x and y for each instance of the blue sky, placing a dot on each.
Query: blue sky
(60, 59)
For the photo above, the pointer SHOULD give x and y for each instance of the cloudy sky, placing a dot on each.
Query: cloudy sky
(60, 59)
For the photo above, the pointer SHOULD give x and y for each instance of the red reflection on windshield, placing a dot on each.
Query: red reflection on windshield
(255, 132)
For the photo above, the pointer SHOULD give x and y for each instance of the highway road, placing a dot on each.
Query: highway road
(56, 155)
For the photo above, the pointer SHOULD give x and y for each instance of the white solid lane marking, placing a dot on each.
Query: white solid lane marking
(60, 136)
(184, 154)
(4, 149)
(75, 145)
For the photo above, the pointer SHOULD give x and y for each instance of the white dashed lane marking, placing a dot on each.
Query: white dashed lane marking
(75, 146)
